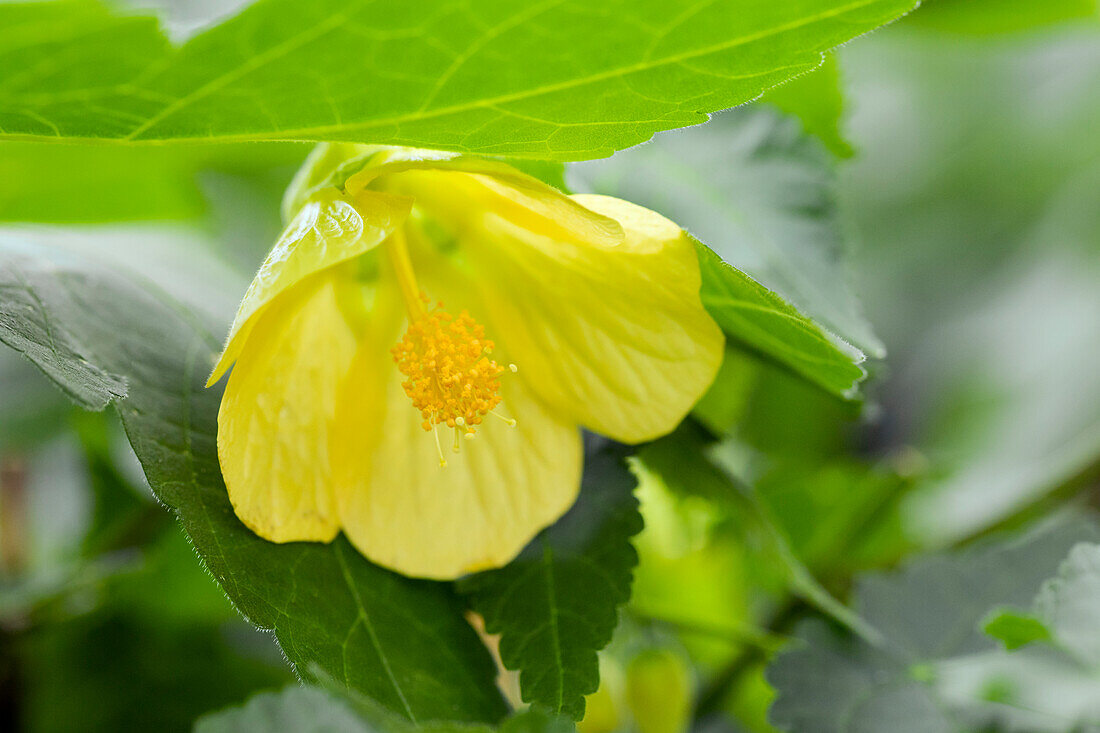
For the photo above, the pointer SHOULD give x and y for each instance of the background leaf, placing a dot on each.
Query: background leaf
(299, 709)
(556, 605)
(929, 615)
(1051, 684)
(400, 641)
(313, 710)
(986, 17)
(1014, 629)
(82, 183)
(817, 100)
(486, 77)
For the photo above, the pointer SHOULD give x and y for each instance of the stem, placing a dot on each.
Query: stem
(804, 592)
(748, 636)
(803, 584)
(715, 693)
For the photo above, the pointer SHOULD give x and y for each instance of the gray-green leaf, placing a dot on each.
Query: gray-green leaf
(299, 709)
(930, 616)
(314, 710)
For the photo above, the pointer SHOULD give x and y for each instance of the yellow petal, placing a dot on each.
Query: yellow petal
(614, 336)
(466, 189)
(401, 509)
(276, 417)
(331, 228)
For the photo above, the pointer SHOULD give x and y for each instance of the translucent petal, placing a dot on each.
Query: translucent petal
(331, 228)
(276, 417)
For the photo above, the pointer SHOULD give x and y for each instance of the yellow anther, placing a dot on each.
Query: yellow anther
(448, 375)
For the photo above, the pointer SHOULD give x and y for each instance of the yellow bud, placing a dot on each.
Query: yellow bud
(602, 707)
(659, 691)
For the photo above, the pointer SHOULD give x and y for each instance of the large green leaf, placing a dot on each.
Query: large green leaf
(929, 616)
(760, 320)
(108, 335)
(557, 604)
(561, 79)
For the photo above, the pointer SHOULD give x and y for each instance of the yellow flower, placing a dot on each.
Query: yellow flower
(442, 438)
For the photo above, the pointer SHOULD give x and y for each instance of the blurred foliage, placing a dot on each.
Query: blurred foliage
(985, 17)
(113, 625)
(817, 99)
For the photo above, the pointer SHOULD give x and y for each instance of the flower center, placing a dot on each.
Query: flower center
(449, 375)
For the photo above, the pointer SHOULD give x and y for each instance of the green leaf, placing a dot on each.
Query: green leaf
(156, 629)
(89, 183)
(761, 321)
(817, 101)
(988, 17)
(759, 192)
(564, 79)
(688, 464)
(82, 183)
(1015, 629)
(108, 335)
(929, 615)
(108, 671)
(556, 605)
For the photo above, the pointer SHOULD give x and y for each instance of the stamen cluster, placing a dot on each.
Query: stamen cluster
(449, 376)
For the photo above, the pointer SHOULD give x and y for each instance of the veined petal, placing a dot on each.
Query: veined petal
(276, 416)
(614, 336)
(401, 509)
(331, 228)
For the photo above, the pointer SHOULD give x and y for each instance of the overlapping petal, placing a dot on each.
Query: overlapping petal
(329, 229)
(276, 417)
